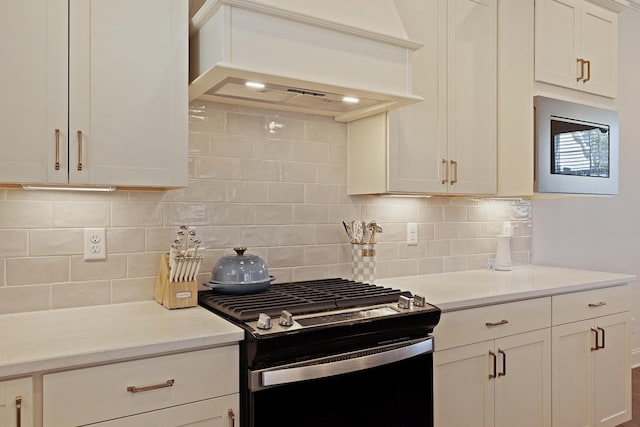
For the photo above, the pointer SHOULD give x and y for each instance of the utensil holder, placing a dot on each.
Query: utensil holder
(174, 294)
(363, 264)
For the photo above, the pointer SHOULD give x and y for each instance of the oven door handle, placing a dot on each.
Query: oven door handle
(338, 364)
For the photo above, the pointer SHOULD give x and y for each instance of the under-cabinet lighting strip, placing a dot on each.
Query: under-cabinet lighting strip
(66, 188)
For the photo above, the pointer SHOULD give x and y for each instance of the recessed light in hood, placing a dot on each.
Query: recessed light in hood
(288, 96)
(306, 63)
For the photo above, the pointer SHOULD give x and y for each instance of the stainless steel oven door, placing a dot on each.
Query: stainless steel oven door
(390, 385)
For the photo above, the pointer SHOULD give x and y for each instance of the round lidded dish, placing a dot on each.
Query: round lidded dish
(240, 274)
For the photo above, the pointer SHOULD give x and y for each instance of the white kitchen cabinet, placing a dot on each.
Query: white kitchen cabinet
(515, 98)
(503, 381)
(141, 392)
(96, 92)
(16, 403)
(576, 46)
(591, 368)
(447, 143)
(218, 412)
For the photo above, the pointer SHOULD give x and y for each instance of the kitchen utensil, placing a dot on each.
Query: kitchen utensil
(373, 228)
(240, 274)
(348, 230)
(357, 231)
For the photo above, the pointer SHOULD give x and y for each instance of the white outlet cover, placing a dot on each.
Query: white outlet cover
(95, 245)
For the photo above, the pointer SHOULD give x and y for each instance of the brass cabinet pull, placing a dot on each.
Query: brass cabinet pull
(491, 324)
(581, 76)
(134, 389)
(446, 171)
(57, 149)
(598, 304)
(595, 331)
(454, 166)
(588, 71)
(79, 150)
(232, 417)
(493, 375)
(18, 411)
(504, 363)
(601, 330)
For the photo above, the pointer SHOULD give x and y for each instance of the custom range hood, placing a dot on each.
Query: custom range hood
(347, 59)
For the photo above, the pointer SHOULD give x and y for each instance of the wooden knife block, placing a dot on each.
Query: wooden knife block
(174, 294)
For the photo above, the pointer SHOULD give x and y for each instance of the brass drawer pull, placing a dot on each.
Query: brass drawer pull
(599, 304)
(491, 324)
(18, 411)
(134, 389)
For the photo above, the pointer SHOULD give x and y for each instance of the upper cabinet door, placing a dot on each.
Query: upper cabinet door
(472, 96)
(556, 40)
(576, 45)
(599, 36)
(33, 84)
(417, 137)
(128, 106)
(447, 143)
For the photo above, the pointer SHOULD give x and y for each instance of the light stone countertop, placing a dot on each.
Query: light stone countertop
(466, 289)
(47, 340)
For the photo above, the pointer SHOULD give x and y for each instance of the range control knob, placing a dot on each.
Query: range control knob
(286, 319)
(419, 301)
(264, 321)
(405, 302)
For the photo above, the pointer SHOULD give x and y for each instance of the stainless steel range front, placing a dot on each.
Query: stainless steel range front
(332, 353)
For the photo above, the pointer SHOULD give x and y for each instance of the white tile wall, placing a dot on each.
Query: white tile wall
(275, 182)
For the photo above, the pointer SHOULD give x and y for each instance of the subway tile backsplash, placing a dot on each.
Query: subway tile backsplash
(273, 181)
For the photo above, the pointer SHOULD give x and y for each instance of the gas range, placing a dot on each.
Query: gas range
(298, 306)
(310, 345)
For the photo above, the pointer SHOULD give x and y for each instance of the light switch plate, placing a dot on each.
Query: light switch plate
(95, 245)
(412, 234)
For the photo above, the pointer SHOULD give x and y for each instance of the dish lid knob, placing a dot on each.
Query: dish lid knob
(240, 250)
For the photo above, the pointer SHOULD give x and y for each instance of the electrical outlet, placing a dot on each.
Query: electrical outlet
(412, 234)
(95, 245)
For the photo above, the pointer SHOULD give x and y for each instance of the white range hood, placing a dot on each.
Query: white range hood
(308, 55)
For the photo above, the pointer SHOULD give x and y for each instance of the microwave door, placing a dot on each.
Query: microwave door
(576, 148)
(580, 148)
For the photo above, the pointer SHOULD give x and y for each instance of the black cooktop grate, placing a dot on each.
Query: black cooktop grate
(298, 298)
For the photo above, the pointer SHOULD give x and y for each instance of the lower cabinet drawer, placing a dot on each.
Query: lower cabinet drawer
(490, 322)
(218, 412)
(100, 393)
(590, 304)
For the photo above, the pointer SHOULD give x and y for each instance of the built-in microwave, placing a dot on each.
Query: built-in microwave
(576, 148)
